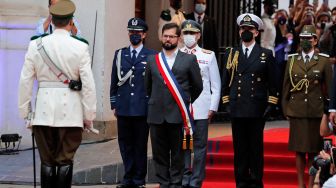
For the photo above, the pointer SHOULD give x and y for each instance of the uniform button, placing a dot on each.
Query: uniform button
(305, 100)
(132, 76)
(252, 88)
(132, 94)
(239, 88)
(252, 95)
(240, 74)
(252, 82)
(252, 74)
(133, 67)
(238, 94)
(132, 85)
(239, 81)
(305, 76)
(295, 75)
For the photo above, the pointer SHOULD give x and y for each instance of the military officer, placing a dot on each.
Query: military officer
(172, 14)
(249, 91)
(129, 100)
(60, 111)
(204, 106)
(307, 83)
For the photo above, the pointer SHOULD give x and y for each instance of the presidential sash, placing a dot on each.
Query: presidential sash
(176, 91)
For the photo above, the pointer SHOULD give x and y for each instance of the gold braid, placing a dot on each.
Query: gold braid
(301, 83)
(232, 64)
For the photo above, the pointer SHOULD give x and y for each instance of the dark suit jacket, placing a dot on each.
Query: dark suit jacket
(130, 99)
(209, 39)
(253, 83)
(162, 106)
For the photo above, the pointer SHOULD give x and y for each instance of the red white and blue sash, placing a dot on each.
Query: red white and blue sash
(177, 92)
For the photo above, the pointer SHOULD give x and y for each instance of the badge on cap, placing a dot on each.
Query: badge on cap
(247, 18)
(134, 22)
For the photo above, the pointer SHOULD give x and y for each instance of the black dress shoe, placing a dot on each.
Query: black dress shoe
(125, 186)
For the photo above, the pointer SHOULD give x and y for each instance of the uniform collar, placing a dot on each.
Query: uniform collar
(192, 50)
(138, 49)
(250, 48)
(310, 54)
(61, 32)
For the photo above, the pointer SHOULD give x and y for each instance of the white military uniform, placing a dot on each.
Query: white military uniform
(58, 106)
(175, 18)
(210, 96)
(267, 37)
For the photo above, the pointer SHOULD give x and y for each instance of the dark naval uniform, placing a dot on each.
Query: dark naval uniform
(129, 99)
(249, 90)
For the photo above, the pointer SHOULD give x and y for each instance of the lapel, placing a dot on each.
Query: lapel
(251, 59)
(177, 61)
(127, 56)
(300, 62)
(312, 62)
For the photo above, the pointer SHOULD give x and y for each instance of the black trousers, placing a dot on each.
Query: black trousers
(133, 138)
(168, 155)
(248, 144)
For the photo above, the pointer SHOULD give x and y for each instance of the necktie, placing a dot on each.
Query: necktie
(306, 59)
(133, 56)
(199, 19)
(246, 53)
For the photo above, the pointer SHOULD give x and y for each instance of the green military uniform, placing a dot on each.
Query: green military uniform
(305, 88)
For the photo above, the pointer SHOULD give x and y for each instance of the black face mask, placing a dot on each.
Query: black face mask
(282, 20)
(247, 36)
(306, 45)
(168, 46)
(135, 39)
(177, 4)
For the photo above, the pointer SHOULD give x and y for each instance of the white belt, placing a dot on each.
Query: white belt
(53, 85)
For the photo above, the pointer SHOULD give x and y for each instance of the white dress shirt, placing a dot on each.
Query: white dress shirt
(250, 48)
(171, 59)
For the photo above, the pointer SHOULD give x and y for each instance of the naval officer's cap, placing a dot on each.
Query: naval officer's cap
(62, 9)
(250, 20)
(137, 24)
(308, 31)
(191, 25)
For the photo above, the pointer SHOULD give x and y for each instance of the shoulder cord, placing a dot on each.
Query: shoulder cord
(232, 64)
(301, 83)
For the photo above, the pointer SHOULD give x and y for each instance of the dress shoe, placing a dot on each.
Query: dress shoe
(125, 186)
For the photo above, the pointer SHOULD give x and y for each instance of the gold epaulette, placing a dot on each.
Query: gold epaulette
(273, 100)
(225, 99)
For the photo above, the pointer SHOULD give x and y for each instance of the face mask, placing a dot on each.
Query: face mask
(177, 4)
(200, 8)
(282, 20)
(306, 45)
(189, 40)
(135, 39)
(247, 36)
(169, 46)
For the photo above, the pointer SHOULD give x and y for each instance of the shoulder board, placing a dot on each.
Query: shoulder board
(80, 39)
(324, 55)
(290, 55)
(38, 36)
(206, 51)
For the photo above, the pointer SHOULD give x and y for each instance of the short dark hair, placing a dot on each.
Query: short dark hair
(332, 10)
(60, 22)
(171, 26)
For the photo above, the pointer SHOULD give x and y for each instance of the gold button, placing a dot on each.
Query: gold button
(305, 76)
(305, 100)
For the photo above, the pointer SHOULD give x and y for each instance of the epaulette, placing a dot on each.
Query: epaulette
(206, 51)
(165, 15)
(38, 36)
(290, 55)
(80, 39)
(324, 55)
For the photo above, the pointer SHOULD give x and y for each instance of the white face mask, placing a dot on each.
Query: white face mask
(189, 40)
(200, 8)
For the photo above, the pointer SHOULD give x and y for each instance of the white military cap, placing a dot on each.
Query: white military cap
(251, 20)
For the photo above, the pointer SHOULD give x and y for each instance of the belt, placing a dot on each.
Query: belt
(53, 85)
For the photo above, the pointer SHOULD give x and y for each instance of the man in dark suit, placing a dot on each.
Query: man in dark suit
(164, 115)
(249, 92)
(209, 38)
(129, 100)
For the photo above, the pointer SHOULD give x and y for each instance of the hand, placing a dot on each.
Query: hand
(268, 110)
(332, 117)
(211, 113)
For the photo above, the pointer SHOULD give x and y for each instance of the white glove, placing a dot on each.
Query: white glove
(88, 127)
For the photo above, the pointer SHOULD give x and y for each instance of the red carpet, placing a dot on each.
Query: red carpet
(279, 170)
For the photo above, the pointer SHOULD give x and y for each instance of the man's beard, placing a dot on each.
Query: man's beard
(169, 46)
